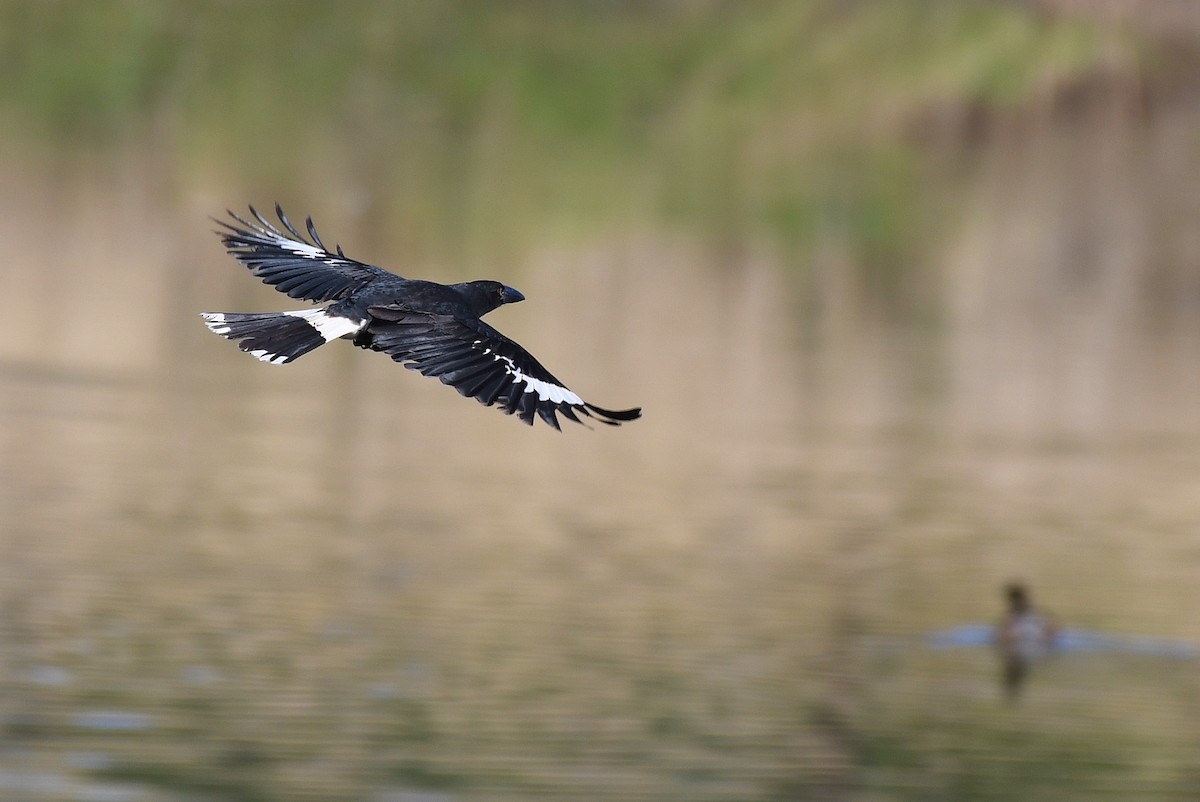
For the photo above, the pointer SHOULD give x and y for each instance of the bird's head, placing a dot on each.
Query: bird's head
(484, 296)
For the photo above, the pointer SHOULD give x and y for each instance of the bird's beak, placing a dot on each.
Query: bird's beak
(511, 296)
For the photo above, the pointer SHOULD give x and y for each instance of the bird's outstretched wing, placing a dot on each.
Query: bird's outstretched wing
(481, 363)
(292, 264)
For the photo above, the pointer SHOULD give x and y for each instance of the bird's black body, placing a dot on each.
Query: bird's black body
(430, 327)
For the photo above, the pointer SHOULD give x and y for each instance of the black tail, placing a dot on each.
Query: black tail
(275, 337)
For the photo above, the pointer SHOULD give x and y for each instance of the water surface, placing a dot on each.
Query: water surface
(338, 580)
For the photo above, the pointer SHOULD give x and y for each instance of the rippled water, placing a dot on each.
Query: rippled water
(336, 580)
(896, 348)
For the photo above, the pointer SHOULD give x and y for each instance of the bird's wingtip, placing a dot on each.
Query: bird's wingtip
(615, 416)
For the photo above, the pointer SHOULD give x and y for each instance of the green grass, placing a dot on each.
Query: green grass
(475, 128)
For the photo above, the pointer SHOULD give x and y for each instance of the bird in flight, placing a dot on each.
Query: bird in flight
(428, 327)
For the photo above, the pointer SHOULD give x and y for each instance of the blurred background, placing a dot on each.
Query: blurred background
(910, 293)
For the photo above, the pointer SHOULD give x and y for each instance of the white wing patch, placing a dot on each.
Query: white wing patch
(330, 326)
(546, 390)
(305, 251)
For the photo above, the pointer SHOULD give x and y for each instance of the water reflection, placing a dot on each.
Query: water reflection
(259, 583)
(222, 580)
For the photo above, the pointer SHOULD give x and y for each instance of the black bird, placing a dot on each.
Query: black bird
(429, 327)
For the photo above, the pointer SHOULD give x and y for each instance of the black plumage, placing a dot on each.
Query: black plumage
(428, 327)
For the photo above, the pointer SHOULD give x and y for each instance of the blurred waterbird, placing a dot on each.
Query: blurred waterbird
(1025, 636)
(428, 327)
